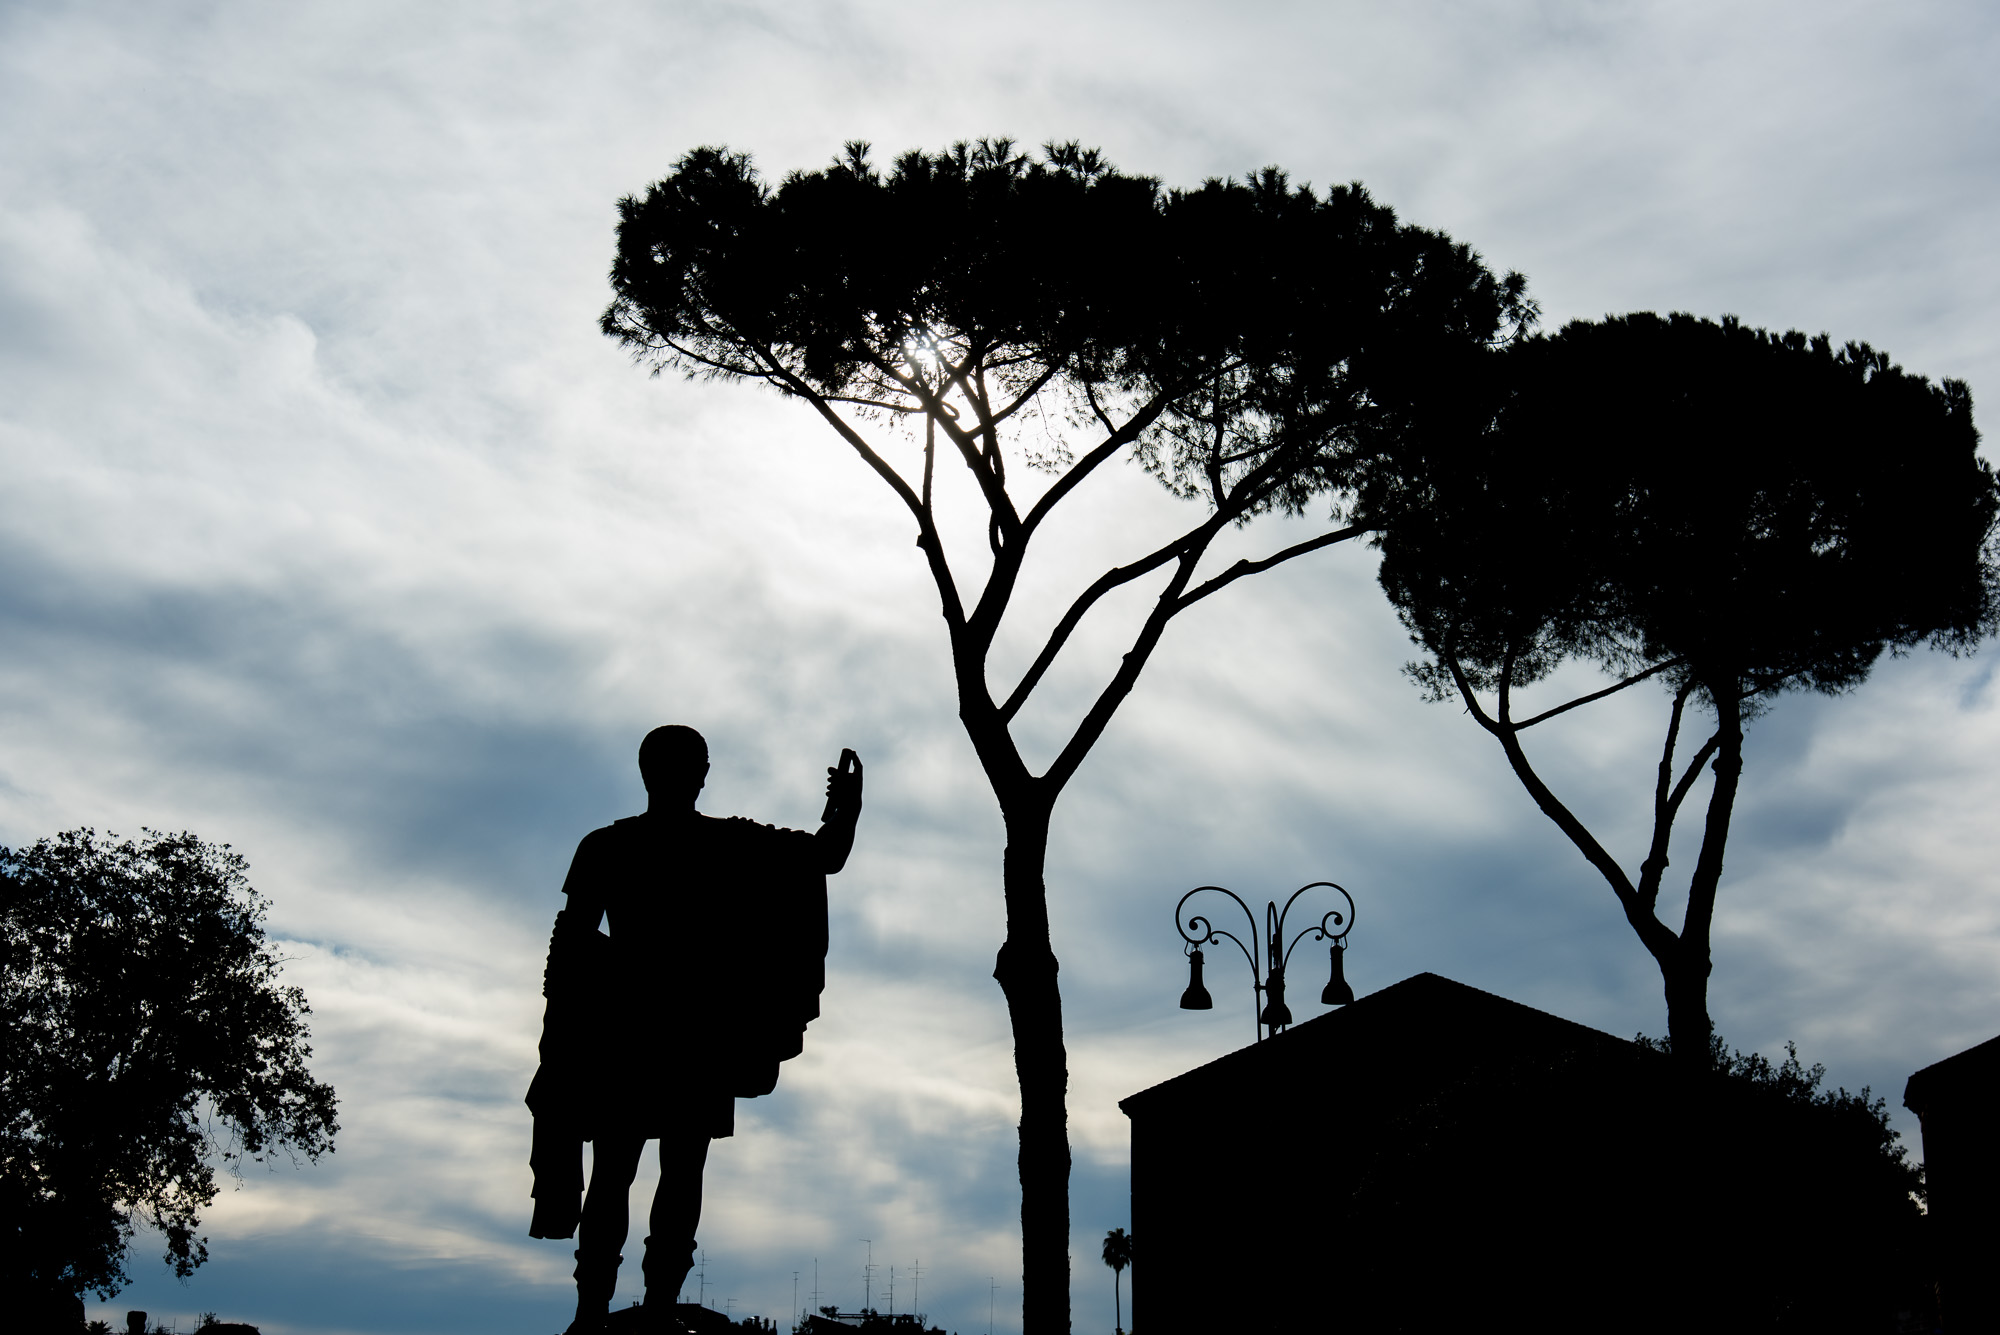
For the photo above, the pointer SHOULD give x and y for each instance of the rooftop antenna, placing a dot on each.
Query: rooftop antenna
(701, 1278)
(868, 1277)
(892, 1290)
(991, 1285)
(815, 1283)
(795, 1290)
(916, 1284)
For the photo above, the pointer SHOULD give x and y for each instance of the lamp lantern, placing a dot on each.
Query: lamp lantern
(1276, 1014)
(1267, 953)
(1196, 997)
(1336, 992)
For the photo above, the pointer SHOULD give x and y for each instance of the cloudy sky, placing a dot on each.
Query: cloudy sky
(331, 528)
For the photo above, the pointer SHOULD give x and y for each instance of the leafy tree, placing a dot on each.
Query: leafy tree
(147, 1036)
(1118, 1255)
(1861, 1122)
(1731, 512)
(1573, 1172)
(1032, 319)
(1834, 1193)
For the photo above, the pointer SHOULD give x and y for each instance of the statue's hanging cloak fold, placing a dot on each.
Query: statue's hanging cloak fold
(713, 968)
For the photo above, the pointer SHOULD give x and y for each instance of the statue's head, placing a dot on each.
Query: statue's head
(673, 761)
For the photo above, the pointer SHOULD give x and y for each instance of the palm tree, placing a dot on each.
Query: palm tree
(1117, 1255)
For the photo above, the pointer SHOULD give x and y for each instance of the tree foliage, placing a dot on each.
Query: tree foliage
(1252, 344)
(148, 1038)
(1242, 340)
(1858, 1123)
(1117, 1254)
(1766, 511)
(1117, 1249)
(1733, 512)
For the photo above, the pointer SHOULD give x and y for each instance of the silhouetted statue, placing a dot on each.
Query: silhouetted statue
(713, 968)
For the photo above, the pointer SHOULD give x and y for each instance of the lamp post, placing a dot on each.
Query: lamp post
(1269, 957)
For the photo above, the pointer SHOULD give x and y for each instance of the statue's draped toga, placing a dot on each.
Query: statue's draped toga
(713, 968)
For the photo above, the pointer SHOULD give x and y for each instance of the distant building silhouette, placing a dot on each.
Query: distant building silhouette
(1958, 1102)
(868, 1323)
(1433, 1157)
(692, 1319)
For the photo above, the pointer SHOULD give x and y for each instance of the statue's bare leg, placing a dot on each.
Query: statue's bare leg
(676, 1213)
(607, 1216)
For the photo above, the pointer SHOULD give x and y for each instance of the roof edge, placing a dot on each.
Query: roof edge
(1422, 982)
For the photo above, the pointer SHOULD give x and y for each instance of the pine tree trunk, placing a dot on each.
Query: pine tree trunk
(1026, 971)
(1688, 1024)
(1687, 970)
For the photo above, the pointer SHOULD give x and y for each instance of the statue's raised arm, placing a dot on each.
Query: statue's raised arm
(843, 809)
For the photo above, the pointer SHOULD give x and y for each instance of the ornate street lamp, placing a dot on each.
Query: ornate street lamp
(1272, 1013)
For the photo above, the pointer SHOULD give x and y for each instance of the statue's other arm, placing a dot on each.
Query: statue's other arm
(583, 888)
(835, 839)
(559, 1095)
(572, 960)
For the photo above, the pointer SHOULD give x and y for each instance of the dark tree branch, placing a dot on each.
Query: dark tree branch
(900, 408)
(1468, 694)
(1120, 437)
(1020, 401)
(1633, 680)
(1655, 866)
(1254, 486)
(724, 368)
(1090, 397)
(930, 459)
(1214, 465)
(1101, 710)
(1242, 568)
(1654, 934)
(883, 468)
(991, 487)
(1171, 602)
(1700, 916)
(1701, 757)
(927, 534)
(1105, 583)
(982, 407)
(982, 404)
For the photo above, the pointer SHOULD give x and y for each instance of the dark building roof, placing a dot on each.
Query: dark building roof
(1972, 1074)
(1955, 1098)
(1433, 1157)
(1417, 1031)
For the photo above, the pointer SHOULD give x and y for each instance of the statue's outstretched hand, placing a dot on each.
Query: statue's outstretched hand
(843, 787)
(843, 809)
